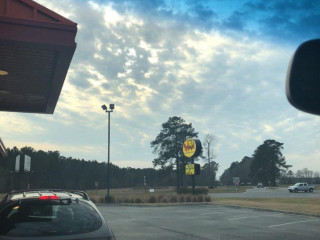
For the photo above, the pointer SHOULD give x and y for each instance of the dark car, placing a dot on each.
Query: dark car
(51, 214)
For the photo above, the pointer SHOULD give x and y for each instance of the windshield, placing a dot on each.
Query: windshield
(36, 218)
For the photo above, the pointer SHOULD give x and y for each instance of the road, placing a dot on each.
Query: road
(267, 193)
(207, 222)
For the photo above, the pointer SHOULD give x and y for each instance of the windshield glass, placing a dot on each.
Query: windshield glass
(48, 218)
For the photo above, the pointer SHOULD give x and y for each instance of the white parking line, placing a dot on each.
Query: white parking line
(283, 224)
(256, 216)
(213, 212)
(210, 213)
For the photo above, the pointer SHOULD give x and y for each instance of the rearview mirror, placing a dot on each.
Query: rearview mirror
(303, 78)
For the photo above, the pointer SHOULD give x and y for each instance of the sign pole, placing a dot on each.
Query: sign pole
(193, 180)
(191, 149)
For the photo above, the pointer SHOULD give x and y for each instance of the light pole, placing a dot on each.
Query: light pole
(104, 107)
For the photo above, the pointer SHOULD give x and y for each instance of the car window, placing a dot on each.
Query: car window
(48, 218)
(300, 185)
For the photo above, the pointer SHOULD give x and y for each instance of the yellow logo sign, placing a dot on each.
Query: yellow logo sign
(189, 147)
(190, 169)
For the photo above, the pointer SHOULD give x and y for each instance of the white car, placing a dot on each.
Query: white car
(299, 187)
(260, 185)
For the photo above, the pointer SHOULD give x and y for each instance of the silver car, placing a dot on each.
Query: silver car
(51, 214)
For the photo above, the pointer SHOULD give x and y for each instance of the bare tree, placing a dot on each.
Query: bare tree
(290, 175)
(299, 175)
(208, 145)
(310, 174)
(305, 173)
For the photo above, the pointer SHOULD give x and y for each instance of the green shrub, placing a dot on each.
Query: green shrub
(152, 199)
(164, 200)
(188, 198)
(101, 200)
(173, 199)
(160, 197)
(194, 199)
(208, 199)
(186, 190)
(200, 198)
(109, 199)
(138, 200)
(181, 198)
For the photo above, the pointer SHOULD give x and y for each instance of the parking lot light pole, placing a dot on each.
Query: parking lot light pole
(104, 107)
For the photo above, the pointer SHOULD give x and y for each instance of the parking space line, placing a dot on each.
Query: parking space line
(283, 224)
(210, 213)
(239, 218)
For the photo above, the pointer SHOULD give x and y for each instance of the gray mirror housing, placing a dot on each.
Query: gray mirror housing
(303, 78)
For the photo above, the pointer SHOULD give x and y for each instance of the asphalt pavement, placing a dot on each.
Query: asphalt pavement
(267, 193)
(207, 222)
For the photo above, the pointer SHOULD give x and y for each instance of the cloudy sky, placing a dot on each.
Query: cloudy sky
(220, 65)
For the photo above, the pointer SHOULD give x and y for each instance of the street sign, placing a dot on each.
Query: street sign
(17, 168)
(191, 147)
(27, 163)
(192, 169)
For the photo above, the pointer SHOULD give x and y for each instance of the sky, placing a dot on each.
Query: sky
(220, 65)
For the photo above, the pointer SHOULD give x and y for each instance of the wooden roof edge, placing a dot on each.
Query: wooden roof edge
(28, 22)
(48, 12)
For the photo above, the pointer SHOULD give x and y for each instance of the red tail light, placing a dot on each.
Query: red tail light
(54, 197)
(48, 198)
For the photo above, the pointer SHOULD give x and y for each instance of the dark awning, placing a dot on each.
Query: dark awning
(36, 48)
(3, 150)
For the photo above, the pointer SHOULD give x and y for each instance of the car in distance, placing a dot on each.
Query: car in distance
(51, 214)
(299, 187)
(260, 185)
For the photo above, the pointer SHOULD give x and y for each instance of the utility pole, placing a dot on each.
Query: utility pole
(104, 107)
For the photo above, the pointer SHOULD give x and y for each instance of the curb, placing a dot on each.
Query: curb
(268, 210)
(152, 204)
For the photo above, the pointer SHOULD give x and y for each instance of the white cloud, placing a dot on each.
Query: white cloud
(230, 85)
(14, 124)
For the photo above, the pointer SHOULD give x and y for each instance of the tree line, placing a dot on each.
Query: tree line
(266, 165)
(301, 175)
(51, 170)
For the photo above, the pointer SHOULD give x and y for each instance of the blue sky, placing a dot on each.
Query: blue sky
(220, 65)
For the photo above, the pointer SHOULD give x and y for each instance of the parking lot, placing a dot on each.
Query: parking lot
(207, 222)
(267, 193)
